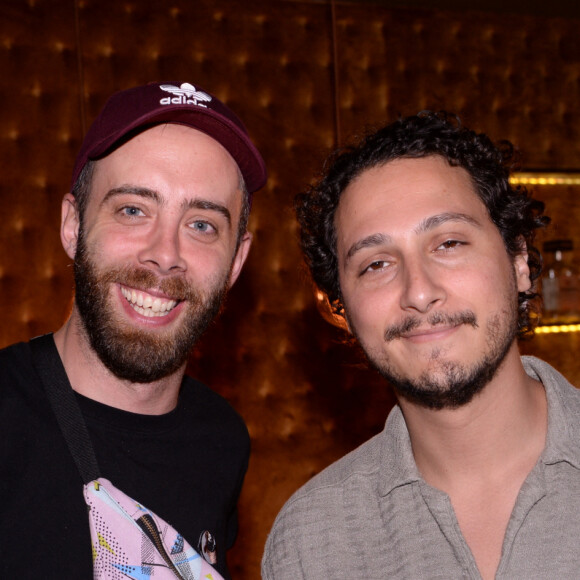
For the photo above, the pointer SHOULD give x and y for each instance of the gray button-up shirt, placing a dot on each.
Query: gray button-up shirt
(371, 516)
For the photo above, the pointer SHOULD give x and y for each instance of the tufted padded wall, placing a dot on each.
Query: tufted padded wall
(514, 77)
(303, 76)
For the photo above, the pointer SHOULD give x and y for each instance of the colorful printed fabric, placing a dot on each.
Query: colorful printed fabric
(130, 541)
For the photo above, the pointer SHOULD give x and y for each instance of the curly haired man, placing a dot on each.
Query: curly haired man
(418, 239)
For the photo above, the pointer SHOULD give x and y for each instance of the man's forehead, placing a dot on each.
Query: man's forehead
(198, 140)
(173, 160)
(408, 196)
(171, 143)
(406, 178)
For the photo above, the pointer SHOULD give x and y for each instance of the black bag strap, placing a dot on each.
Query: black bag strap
(64, 405)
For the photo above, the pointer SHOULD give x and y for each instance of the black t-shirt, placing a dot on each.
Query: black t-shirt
(187, 466)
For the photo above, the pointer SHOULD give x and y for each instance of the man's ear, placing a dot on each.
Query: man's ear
(69, 225)
(328, 312)
(345, 324)
(522, 269)
(240, 257)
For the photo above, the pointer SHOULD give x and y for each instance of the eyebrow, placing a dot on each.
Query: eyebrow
(426, 225)
(368, 242)
(126, 189)
(209, 205)
(154, 195)
(436, 220)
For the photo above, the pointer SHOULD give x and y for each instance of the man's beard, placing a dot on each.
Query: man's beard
(449, 384)
(131, 354)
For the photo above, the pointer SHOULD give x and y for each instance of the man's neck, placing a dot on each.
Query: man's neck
(505, 424)
(91, 378)
(481, 453)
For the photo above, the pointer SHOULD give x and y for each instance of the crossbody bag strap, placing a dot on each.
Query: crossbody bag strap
(62, 399)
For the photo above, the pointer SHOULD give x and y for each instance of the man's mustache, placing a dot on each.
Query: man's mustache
(175, 287)
(436, 319)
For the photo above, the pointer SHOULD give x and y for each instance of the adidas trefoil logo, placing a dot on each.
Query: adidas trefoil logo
(186, 94)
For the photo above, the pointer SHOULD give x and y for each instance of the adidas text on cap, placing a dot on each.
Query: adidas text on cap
(134, 110)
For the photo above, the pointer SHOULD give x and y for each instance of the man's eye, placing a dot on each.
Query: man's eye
(375, 266)
(131, 211)
(202, 227)
(450, 244)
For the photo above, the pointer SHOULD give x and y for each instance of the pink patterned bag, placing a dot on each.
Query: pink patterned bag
(130, 541)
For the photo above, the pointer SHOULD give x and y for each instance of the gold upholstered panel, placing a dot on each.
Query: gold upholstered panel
(301, 80)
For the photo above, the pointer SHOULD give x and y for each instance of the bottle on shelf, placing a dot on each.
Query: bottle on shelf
(560, 286)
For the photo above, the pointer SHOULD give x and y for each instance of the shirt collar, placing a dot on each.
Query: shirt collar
(398, 465)
(563, 413)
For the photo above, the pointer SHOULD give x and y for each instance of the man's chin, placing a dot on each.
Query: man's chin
(448, 385)
(142, 361)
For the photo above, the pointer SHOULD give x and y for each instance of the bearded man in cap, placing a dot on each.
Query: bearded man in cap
(156, 225)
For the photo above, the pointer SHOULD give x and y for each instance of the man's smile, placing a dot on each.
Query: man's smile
(427, 334)
(146, 304)
(438, 324)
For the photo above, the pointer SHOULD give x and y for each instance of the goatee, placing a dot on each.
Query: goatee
(448, 384)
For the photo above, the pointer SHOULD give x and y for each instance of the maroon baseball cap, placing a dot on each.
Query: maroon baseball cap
(129, 112)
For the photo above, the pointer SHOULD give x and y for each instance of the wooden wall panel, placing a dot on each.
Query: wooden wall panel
(307, 397)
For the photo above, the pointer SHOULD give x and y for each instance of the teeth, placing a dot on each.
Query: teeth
(145, 305)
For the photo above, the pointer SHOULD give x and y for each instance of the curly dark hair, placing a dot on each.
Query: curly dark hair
(516, 215)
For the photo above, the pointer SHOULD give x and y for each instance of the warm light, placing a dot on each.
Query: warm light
(545, 178)
(557, 328)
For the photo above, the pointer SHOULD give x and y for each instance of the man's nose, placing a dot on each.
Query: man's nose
(422, 286)
(162, 250)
